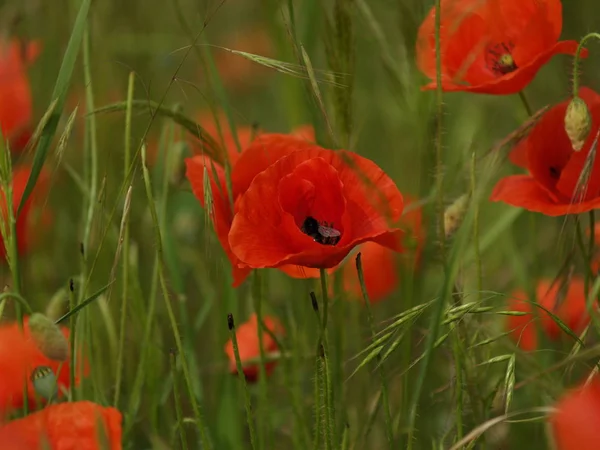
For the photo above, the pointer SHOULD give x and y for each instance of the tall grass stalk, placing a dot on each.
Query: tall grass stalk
(126, 247)
(384, 388)
(199, 422)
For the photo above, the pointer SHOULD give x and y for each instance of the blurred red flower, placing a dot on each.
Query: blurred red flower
(249, 348)
(256, 156)
(576, 418)
(19, 356)
(380, 264)
(312, 207)
(569, 307)
(492, 46)
(79, 425)
(556, 184)
(34, 217)
(15, 94)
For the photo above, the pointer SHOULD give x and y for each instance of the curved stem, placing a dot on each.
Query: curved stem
(578, 59)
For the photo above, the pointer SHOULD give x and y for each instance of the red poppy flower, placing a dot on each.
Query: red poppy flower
(556, 184)
(15, 94)
(312, 207)
(569, 307)
(264, 150)
(492, 46)
(79, 425)
(34, 217)
(577, 415)
(249, 348)
(19, 356)
(380, 264)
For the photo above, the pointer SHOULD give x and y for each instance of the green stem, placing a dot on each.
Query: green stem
(384, 387)
(439, 100)
(72, 324)
(243, 384)
(577, 61)
(526, 103)
(262, 409)
(329, 426)
(200, 424)
(178, 411)
(125, 292)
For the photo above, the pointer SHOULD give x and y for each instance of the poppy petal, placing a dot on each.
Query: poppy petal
(513, 82)
(263, 234)
(261, 153)
(576, 418)
(524, 192)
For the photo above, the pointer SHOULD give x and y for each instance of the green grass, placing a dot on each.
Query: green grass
(151, 287)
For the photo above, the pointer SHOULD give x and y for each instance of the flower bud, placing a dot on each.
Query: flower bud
(48, 337)
(454, 214)
(578, 123)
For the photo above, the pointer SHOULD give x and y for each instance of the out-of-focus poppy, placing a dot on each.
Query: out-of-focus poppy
(79, 425)
(560, 180)
(34, 216)
(568, 303)
(249, 348)
(492, 46)
(238, 72)
(19, 357)
(380, 265)
(312, 207)
(15, 94)
(576, 417)
(263, 151)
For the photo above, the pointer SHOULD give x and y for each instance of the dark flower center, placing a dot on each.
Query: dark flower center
(499, 59)
(554, 172)
(323, 233)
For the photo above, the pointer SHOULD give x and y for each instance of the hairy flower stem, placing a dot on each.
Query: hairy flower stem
(323, 347)
(577, 60)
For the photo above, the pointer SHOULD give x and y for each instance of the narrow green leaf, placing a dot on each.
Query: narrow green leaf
(59, 95)
(84, 303)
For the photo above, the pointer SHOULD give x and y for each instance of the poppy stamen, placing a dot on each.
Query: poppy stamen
(499, 59)
(324, 234)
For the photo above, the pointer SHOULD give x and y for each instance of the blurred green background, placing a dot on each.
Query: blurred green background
(393, 124)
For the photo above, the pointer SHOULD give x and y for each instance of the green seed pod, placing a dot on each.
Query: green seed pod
(578, 123)
(454, 214)
(48, 337)
(44, 382)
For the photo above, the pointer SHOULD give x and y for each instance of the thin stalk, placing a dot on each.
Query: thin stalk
(329, 426)
(439, 100)
(577, 61)
(526, 103)
(72, 323)
(125, 291)
(318, 376)
(177, 400)
(384, 388)
(243, 384)
(262, 372)
(200, 424)
(476, 228)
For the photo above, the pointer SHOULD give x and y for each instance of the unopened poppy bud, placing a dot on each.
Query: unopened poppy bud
(44, 382)
(48, 337)
(454, 214)
(578, 122)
